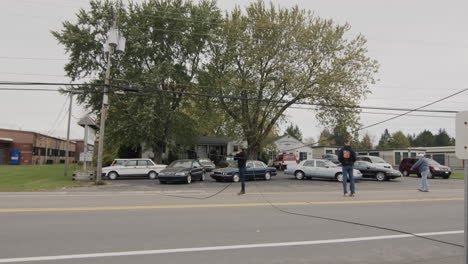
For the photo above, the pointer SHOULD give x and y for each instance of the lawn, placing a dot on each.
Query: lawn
(36, 178)
(458, 175)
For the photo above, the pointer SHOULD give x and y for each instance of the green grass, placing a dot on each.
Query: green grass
(36, 178)
(457, 176)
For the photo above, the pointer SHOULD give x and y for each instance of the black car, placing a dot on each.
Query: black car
(255, 169)
(182, 170)
(368, 170)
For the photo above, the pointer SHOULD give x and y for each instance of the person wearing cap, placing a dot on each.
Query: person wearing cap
(241, 158)
(347, 157)
(423, 165)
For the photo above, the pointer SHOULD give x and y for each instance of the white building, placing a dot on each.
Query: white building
(290, 145)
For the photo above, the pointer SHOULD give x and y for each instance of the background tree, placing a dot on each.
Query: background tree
(442, 138)
(398, 140)
(165, 51)
(285, 54)
(341, 134)
(424, 139)
(294, 132)
(366, 142)
(326, 138)
(384, 140)
(411, 139)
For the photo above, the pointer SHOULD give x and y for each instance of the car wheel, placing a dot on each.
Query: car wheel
(299, 175)
(419, 175)
(188, 180)
(235, 177)
(405, 173)
(339, 177)
(267, 176)
(112, 175)
(152, 175)
(380, 176)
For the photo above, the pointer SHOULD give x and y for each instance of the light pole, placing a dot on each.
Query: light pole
(116, 41)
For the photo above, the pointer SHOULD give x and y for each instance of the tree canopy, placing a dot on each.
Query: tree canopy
(256, 63)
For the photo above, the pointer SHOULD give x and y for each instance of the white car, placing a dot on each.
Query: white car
(319, 168)
(376, 161)
(133, 167)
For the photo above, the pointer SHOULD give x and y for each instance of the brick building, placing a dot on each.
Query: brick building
(35, 148)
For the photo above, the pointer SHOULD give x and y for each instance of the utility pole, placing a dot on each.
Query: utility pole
(461, 150)
(67, 152)
(102, 126)
(114, 40)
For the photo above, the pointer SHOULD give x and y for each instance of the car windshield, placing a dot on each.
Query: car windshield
(181, 164)
(377, 160)
(204, 160)
(206, 163)
(434, 163)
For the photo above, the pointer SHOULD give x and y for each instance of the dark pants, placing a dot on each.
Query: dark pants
(348, 173)
(242, 178)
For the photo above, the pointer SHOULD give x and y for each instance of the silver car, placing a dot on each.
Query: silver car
(319, 168)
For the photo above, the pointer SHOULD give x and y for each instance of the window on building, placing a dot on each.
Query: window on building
(328, 151)
(235, 148)
(376, 154)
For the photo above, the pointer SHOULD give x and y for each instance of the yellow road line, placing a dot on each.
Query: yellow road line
(106, 208)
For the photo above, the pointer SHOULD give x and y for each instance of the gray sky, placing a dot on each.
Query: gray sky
(422, 48)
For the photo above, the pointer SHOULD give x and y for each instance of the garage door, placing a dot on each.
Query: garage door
(439, 158)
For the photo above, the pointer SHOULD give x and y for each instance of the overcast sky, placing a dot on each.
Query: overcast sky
(421, 45)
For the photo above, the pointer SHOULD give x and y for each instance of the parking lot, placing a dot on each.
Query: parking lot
(278, 183)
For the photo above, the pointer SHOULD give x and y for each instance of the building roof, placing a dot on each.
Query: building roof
(31, 132)
(209, 140)
(88, 121)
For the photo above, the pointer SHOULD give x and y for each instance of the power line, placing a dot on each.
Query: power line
(208, 95)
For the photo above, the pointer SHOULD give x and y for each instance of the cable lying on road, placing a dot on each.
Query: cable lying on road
(353, 223)
(197, 198)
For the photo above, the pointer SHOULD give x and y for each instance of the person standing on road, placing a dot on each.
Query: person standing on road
(241, 158)
(423, 165)
(347, 157)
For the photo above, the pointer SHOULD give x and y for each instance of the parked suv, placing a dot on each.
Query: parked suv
(376, 161)
(436, 170)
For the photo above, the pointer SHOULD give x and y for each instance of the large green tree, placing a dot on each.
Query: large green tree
(398, 140)
(167, 45)
(424, 139)
(442, 138)
(285, 56)
(384, 139)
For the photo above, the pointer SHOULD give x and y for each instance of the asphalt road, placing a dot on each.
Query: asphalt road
(140, 221)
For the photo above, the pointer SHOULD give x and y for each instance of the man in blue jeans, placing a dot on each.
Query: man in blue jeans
(241, 158)
(347, 157)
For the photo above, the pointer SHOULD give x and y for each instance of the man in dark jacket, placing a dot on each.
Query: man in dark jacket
(347, 157)
(241, 158)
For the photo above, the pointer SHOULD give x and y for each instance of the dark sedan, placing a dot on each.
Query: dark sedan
(182, 171)
(254, 170)
(368, 170)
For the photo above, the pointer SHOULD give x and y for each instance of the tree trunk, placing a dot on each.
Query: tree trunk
(157, 151)
(253, 149)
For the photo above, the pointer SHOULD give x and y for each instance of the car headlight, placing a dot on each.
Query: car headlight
(436, 169)
(181, 174)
